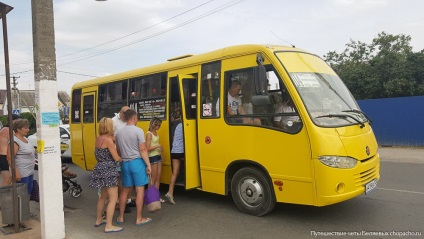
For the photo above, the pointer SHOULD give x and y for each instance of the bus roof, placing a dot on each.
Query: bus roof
(186, 61)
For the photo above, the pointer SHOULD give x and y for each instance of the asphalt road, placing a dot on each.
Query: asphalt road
(397, 205)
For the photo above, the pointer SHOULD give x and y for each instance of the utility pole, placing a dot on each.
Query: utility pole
(48, 143)
(16, 94)
(5, 9)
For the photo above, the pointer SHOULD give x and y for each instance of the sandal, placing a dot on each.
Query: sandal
(114, 229)
(148, 220)
(69, 174)
(170, 199)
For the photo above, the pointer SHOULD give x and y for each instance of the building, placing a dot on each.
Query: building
(25, 101)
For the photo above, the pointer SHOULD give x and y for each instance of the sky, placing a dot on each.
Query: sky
(98, 38)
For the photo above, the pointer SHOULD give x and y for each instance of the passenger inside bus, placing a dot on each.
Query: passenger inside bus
(284, 104)
(234, 106)
(175, 116)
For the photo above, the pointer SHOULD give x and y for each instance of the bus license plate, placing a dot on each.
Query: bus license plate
(370, 186)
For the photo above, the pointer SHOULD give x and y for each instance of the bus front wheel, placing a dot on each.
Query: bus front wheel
(252, 192)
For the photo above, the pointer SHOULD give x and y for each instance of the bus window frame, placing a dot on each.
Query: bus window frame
(76, 96)
(269, 117)
(111, 106)
(215, 66)
(161, 98)
(134, 94)
(190, 97)
(233, 119)
(91, 119)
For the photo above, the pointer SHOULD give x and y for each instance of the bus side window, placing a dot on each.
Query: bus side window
(238, 95)
(111, 97)
(190, 97)
(210, 89)
(76, 106)
(88, 109)
(285, 116)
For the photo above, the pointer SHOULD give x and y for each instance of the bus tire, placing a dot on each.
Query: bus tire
(252, 192)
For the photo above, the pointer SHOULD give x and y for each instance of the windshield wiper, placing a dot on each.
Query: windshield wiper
(359, 112)
(362, 125)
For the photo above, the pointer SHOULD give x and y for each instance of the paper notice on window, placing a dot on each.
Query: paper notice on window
(305, 80)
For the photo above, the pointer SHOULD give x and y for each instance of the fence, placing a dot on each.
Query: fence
(397, 121)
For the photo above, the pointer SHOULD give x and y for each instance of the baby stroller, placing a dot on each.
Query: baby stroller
(68, 184)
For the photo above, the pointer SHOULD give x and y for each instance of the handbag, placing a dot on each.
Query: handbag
(35, 193)
(152, 198)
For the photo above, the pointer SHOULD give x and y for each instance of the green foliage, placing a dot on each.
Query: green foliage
(26, 115)
(385, 68)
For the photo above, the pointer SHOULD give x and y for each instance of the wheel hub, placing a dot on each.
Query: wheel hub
(251, 192)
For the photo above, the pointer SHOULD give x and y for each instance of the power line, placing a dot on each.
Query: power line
(117, 39)
(14, 73)
(220, 8)
(144, 29)
(81, 58)
(66, 72)
(73, 73)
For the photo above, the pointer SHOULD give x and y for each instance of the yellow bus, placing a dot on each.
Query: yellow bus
(297, 135)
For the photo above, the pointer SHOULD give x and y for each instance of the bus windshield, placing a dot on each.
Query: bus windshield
(325, 96)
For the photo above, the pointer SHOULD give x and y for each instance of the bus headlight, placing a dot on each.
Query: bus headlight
(338, 161)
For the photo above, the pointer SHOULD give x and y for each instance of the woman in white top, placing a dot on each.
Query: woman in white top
(177, 155)
(24, 154)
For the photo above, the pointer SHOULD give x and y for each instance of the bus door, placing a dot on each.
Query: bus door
(89, 128)
(188, 89)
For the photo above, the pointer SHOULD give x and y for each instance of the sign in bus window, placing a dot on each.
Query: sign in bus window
(149, 108)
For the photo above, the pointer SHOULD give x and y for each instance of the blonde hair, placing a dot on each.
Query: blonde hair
(106, 126)
(154, 122)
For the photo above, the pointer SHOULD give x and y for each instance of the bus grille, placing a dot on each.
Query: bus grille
(366, 176)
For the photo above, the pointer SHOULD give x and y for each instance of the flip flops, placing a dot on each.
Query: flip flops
(114, 229)
(148, 220)
(119, 222)
(103, 222)
(170, 199)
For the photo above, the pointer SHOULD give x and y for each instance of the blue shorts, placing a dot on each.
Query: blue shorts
(155, 159)
(29, 181)
(134, 173)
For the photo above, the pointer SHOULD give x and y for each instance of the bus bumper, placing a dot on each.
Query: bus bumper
(337, 185)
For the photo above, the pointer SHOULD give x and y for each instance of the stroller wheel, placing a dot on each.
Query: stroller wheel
(76, 192)
(65, 186)
(71, 190)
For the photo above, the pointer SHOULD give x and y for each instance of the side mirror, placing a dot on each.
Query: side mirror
(261, 79)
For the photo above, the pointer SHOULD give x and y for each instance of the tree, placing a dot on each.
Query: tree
(387, 67)
(25, 115)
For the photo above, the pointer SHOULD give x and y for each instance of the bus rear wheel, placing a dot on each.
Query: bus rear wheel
(252, 192)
